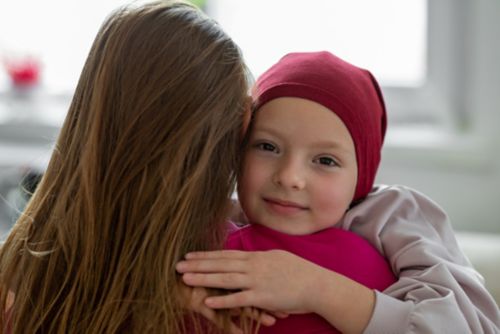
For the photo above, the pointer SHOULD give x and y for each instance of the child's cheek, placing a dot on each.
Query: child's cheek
(332, 199)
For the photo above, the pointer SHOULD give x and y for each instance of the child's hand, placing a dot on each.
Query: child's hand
(281, 283)
(193, 300)
(275, 280)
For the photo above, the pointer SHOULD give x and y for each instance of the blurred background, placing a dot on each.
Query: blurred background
(437, 61)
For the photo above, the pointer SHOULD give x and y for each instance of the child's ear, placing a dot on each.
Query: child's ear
(247, 116)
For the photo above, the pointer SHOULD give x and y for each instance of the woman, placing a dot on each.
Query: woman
(141, 174)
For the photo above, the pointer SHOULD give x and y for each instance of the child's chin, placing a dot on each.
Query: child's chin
(290, 230)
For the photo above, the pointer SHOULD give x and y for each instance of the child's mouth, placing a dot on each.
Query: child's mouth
(284, 207)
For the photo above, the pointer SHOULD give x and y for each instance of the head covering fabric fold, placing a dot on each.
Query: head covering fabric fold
(352, 93)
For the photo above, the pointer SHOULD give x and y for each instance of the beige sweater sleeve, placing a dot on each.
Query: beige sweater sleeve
(438, 291)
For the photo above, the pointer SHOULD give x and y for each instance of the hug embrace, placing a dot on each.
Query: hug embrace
(124, 232)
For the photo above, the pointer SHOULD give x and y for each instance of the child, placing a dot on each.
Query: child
(142, 173)
(310, 163)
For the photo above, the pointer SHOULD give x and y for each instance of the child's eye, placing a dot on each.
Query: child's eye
(326, 161)
(266, 147)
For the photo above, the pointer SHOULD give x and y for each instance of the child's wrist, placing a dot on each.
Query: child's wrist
(344, 303)
(321, 291)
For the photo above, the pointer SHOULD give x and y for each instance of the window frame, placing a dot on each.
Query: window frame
(439, 100)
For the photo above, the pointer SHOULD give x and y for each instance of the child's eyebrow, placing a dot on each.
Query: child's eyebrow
(322, 144)
(332, 145)
(267, 130)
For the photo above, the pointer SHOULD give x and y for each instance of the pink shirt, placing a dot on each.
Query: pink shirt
(338, 250)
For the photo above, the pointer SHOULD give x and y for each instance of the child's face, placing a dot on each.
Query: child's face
(299, 174)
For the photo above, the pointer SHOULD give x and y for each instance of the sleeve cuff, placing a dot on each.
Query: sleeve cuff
(390, 315)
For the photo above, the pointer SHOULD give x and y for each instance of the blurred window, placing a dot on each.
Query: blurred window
(411, 46)
(408, 45)
(56, 33)
(386, 36)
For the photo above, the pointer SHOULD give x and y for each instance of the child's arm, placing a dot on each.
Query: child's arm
(438, 290)
(283, 282)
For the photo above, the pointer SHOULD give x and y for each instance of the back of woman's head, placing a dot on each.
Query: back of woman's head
(141, 174)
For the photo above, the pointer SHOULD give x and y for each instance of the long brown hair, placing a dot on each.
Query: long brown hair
(141, 174)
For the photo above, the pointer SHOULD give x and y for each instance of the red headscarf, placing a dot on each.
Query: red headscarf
(350, 92)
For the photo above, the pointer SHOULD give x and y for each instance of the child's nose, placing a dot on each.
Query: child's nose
(290, 175)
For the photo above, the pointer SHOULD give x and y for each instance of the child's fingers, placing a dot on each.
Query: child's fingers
(280, 315)
(233, 300)
(221, 254)
(265, 318)
(210, 314)
(258, 315)
(235, 329)
(210, 266)
(219, 280)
